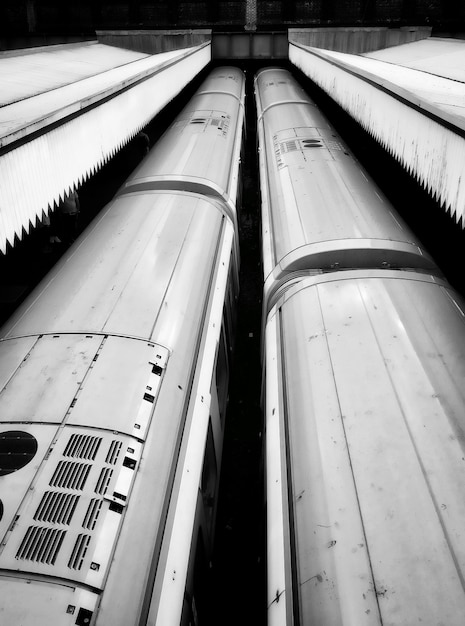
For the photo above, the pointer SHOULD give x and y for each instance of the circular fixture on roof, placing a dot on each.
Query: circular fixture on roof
(17, 448)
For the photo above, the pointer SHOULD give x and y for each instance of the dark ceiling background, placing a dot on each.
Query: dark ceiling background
(83, 17)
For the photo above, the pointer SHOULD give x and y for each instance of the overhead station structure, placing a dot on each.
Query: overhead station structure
(67, 109)
(410, 98)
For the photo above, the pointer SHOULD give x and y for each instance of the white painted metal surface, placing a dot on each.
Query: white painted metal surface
(114, 420)
(370, 368)
(176, 554)
(389, 102)
(29, 72)
(436, 93)
(320, 209)
(201, 130)
(90, 120)
(114, 264)
(435, 55)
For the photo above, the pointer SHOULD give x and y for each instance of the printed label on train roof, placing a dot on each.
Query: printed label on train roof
(205, 121)
(297, 146)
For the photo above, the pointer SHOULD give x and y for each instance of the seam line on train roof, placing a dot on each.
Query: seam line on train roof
(94, 333)
(412, 438)
(321, 275)
(202, 191)
(224, 93)
(53, 580)
(349, 457)
(275, 104)
(294, 574)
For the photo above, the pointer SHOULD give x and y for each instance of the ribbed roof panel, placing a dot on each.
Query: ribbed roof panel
(56, 144)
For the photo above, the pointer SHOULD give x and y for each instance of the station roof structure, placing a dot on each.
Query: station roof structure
(411, 98)
(66, 109)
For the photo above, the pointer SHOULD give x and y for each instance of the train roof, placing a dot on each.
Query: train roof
(153, 245)
(371, 365)
(194, 154)
(320, 209)
(96, 375)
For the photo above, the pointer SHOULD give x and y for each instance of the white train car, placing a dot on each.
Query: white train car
(365, 423)
(113, 388)
(320, 209)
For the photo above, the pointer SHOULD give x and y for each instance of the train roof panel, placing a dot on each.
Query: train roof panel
(53, 604)
(210, 126)
(319, 206)
(372, 365)
(163, 242)
(27, 395)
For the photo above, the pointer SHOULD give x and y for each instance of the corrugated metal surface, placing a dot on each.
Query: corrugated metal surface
(417, 117)
(90, 120)
(443, 57)
(25, 74)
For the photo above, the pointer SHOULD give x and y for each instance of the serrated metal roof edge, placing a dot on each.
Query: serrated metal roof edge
(75, 141)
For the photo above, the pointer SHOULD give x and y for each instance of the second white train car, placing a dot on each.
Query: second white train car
(320, 209)
(113, 388)
(365, 401)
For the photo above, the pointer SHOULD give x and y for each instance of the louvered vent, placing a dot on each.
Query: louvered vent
(103, 481)
(56, 507)
(289, 146)
(79, 552)
(113, 452)
(70, 475)
(92, 514)
(83, 447)
(299, 144)
(41, 544)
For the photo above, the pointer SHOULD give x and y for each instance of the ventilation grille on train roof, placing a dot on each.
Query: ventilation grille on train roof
(56, 507)
(103, 481)
(51, 529)
(83, 447)
(79, 552)
(41, 544)
(70, 475)
(299, 144)
(113, 452)
(216, 120)
(92, 514)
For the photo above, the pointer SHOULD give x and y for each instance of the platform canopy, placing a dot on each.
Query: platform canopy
(411, 98)
(65, 110)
